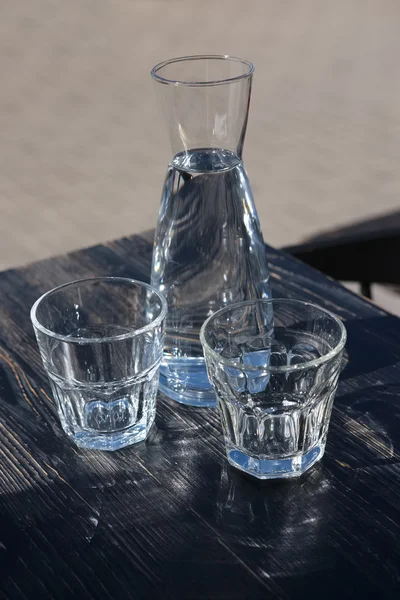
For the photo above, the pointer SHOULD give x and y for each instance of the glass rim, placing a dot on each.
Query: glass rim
(178, 82)
(97, 340)
(275, 369)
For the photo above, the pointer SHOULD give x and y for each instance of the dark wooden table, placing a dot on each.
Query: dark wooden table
(168, 518)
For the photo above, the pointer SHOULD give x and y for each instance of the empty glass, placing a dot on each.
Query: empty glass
(274, 365)
(101, 342)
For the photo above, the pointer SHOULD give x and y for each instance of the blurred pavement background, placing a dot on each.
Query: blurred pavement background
(83, 149)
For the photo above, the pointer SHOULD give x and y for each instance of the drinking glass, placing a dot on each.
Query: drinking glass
(101, 342)
(274, 365)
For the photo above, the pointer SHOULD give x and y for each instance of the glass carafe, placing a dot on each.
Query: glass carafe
(208, 248)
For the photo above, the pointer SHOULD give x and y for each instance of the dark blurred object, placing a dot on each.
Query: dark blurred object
(367, 252)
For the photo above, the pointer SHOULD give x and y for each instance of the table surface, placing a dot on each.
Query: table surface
(168, 518)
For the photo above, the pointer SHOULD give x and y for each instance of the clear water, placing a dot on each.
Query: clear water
(209, 252)
(108, 416)
(275, 423)
(105, 393)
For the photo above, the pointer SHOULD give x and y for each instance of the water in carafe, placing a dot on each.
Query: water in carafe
(208, 253)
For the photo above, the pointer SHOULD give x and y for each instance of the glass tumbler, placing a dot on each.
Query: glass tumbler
(274, 365)
(101, 342)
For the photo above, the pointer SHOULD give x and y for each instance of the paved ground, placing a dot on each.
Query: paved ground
(83, 149)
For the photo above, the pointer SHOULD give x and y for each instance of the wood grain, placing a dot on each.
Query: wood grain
(168, 518)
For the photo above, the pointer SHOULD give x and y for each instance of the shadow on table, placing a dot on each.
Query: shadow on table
(372, 345)
(366, 252)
